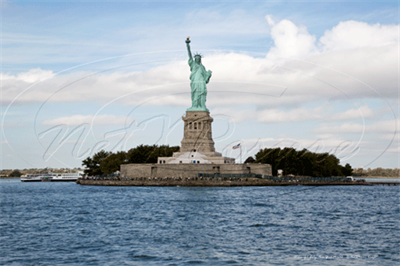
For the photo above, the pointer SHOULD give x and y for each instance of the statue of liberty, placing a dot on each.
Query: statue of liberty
(198, 80)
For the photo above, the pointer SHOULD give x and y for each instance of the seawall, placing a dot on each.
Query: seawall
(209, 183)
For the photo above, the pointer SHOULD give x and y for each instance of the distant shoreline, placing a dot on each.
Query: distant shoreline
(377, 177)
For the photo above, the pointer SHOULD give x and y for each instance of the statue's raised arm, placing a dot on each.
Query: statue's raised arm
(188, 47)
(199, 77)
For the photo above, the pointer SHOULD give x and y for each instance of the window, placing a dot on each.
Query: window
(190, 125)
(180, 161)
(194, 150)
(199, 125)
(195, 125)
(198, 161)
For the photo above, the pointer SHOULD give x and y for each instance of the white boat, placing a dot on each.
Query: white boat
(32, 178)
(65, 177)
(53, 177)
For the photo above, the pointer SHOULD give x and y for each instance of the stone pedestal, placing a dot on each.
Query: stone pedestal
(197, 135)
(197, 145)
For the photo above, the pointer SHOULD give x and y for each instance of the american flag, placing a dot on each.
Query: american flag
(236, 146)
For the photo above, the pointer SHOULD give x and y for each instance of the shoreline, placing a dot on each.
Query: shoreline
(210, 183)
(380, 177)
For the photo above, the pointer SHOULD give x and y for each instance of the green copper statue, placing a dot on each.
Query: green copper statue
(198, 80)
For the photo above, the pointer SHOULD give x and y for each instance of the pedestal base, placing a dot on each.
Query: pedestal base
(196, 157)
(197, 135)
(197, 145)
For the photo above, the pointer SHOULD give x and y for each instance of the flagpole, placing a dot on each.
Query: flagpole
(240, 147)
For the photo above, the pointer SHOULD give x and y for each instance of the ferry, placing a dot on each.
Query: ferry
(53, 177)
(65, 177)
(33, 177)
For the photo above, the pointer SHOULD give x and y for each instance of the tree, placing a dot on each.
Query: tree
(149, 154)
(250, 160)
(15, 173)
(93, 164)
(302, 162)
(107, 162)
(113, 162)
(347, 170)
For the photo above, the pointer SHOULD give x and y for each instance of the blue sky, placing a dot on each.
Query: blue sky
(79, 76)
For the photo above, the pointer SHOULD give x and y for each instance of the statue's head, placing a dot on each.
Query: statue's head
(197, 58)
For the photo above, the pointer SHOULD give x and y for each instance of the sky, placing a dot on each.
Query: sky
(81, 76)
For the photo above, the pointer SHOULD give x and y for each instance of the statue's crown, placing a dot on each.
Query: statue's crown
(197, 54)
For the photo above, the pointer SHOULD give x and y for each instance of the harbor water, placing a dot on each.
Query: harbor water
(50, 223)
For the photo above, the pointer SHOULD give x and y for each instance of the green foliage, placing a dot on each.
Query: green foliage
(92, 165)
(107, 162)
(347, 170)
(250, 160)
(112, 163)
(15, 173)
(304, 162)
(149, 154)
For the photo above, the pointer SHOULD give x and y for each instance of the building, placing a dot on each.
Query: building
(197, 155)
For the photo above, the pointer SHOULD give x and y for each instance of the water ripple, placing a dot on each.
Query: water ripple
(67, 224)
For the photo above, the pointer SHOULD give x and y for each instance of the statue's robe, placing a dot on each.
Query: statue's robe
(198, 80)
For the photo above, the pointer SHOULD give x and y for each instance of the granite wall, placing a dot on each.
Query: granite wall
(191, 170)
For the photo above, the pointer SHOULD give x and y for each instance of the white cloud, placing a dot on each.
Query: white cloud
(394, 150)
(321, 113)
(343, 128)
(235, 114)
(363, 111)
(354, 34)
(392, 136)
(239, 79)
(290, 40)
(388, 126)
(88, 119)
(32, 76)
(295, 115)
